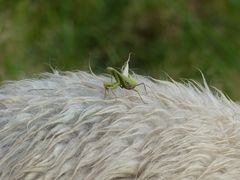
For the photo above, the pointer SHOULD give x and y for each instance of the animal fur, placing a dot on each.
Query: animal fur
(59, 126)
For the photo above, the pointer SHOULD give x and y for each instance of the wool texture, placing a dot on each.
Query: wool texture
(60, 126)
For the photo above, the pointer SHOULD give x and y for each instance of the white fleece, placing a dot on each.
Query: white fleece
(59, 126)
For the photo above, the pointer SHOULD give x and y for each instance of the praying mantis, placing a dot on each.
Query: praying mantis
(122, 80)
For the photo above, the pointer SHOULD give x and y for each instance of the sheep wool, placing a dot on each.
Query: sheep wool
(60, 126)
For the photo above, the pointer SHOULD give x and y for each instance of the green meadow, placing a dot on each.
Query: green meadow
(167, 37)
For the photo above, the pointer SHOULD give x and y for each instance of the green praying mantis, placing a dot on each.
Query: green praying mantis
(122, 80)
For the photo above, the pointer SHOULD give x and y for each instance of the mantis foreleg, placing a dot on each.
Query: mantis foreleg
(111, 86)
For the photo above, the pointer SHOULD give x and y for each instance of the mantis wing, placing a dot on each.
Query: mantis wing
(125, 67)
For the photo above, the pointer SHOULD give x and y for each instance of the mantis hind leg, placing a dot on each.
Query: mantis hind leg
(143, 86)
(139, 95)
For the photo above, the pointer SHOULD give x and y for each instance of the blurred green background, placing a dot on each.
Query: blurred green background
(164, 35)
